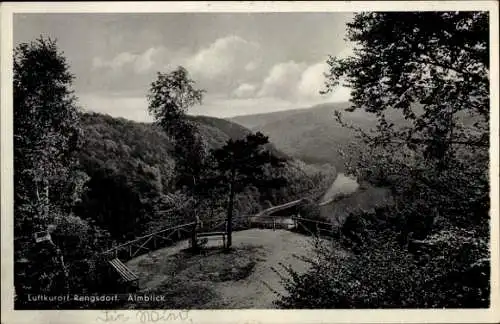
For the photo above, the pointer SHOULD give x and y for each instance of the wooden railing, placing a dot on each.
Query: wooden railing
(170, 235)
(314, 226)
(278, 208)
(151, 242)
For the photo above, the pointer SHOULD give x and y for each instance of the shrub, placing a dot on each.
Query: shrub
(448, 269)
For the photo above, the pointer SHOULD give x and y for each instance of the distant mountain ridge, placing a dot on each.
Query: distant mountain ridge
(255, 120)
(312, 134)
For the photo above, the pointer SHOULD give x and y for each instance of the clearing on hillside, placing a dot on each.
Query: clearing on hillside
(216, 279)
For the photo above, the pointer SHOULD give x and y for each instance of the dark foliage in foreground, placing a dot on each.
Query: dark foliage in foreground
(448, 269)
(429, 248)
(48, 181)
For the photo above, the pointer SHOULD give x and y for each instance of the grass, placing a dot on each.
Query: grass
(222, 265)
(218, 278)
(186, 279)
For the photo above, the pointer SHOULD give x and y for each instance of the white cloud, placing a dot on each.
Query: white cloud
(347, 51)
(340, 94)
(312, 81)
(115, 63)
(300, 83)
(281, 82)
(224, 56)
(232, 69)
(141, 63)
(145, 61)
(245, 90)
(251, 66)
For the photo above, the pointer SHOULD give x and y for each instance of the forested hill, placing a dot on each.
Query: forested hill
(131, 168)
(312, 134)
(131, 171)
(217, 131)
(118, 142)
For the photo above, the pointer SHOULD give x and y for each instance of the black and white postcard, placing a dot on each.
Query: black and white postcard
(247, 162)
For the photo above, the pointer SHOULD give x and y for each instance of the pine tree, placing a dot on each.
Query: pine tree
(238, 165)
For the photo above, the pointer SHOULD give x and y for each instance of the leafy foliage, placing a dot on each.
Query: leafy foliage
(170, 97)
(441, 66)
(46, 129)
(432, 68)
(303, 180)
(48, 180)
(131, 171)
(136, 160)
(379, 274)
(308, 134)
(91, 180)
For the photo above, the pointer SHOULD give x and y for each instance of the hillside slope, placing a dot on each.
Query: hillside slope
(311, 135)
(217, 131)
(119, 144)
(257, 120)
(131, 169)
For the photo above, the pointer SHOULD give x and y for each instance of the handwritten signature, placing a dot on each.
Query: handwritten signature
(145, 316)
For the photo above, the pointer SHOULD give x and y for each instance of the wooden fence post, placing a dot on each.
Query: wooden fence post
(193, 236)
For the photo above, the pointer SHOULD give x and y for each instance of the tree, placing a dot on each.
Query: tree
(425, 76)
(47, 179)
(432, 68)
(170, 97)
(237, 165)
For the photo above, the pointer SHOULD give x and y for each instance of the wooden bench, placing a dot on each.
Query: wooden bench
(126, 275)
(208, 235)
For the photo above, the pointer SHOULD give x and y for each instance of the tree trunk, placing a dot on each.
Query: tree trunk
(46, 222)
(230, 216)
(230, 208)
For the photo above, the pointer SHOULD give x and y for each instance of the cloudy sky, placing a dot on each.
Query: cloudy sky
(248, 63)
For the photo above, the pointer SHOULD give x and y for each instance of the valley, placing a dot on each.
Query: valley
(312, 134)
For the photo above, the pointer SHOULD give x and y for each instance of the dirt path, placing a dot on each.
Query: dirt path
(262, 251)
(277, 247)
